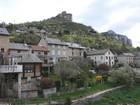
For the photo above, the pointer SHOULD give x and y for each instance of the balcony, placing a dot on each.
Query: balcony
(10, 68)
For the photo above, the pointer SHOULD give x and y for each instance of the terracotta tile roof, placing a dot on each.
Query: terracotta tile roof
(38, 48)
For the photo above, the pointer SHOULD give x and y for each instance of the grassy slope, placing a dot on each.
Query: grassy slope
(124, 96)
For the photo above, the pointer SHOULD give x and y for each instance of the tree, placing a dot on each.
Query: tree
(66, 69)
(46, 82)
(103, 68)
(123, 76)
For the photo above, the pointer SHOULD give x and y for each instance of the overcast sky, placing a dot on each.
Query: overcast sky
(121, 16)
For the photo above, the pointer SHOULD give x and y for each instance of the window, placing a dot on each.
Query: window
(32, 52)
(80, 53)
(106, 57)
(18, 51)
(45, 52)
(2, 50)
(58, 52)
(64, 47)
(72, 53)
(53, 52)
(53, 46)
(58, 46)
(39, 52)
(45, 61)
(101, 57)
(109, 52)
(95, 57)
(64, 52)
(29, 69)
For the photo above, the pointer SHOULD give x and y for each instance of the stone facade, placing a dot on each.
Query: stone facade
(4, 42)
(126, 59)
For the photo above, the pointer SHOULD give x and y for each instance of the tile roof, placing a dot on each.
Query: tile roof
(127, 54)
(18, 46)
(74, 45)
(97, 52)
(38, 48)
(55, 41)
(3, 31)
(28, 58)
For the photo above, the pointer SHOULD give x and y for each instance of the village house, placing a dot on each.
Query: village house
(105, 56)
(75, 50)
(57, 48)
(23, 68)
(126, 59)
(4, 41)
(60, 50)
(18, 49)
(12, 73)
(43, 54)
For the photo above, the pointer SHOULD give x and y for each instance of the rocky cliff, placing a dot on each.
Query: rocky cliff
(122, 38)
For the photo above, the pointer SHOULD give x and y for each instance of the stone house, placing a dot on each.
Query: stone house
(11, 71)
(105, 56)
(58, 49)
(25, 68)
(126, 59)
(31, 73)
(4, 41)
(75, 50)
(18, 49)
(43, 54)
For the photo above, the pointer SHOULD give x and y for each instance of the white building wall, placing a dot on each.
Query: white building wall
(108, 58)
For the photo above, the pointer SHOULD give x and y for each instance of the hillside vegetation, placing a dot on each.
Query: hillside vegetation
(57, 27)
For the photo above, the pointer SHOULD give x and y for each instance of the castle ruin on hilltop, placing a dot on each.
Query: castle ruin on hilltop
(65, 15)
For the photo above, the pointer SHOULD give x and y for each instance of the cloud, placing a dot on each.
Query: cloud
(134, 33)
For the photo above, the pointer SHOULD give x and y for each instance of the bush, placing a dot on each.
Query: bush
(45, 74)
(46, 82)
(58, 85)
(123, 76)
(103, 68)
(98, 79)
(105, 78)
(80, 83)
(68, 101)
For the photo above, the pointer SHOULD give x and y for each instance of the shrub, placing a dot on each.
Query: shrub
(45, 74)
(58, 85)
(46, 82)
(68, 101)
(103, 68)
(98, 79)
(105, 78)
(123, 76)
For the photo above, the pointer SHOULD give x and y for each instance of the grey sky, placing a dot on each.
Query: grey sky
(122, 16)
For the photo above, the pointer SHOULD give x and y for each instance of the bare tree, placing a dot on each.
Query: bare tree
(66, 69)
